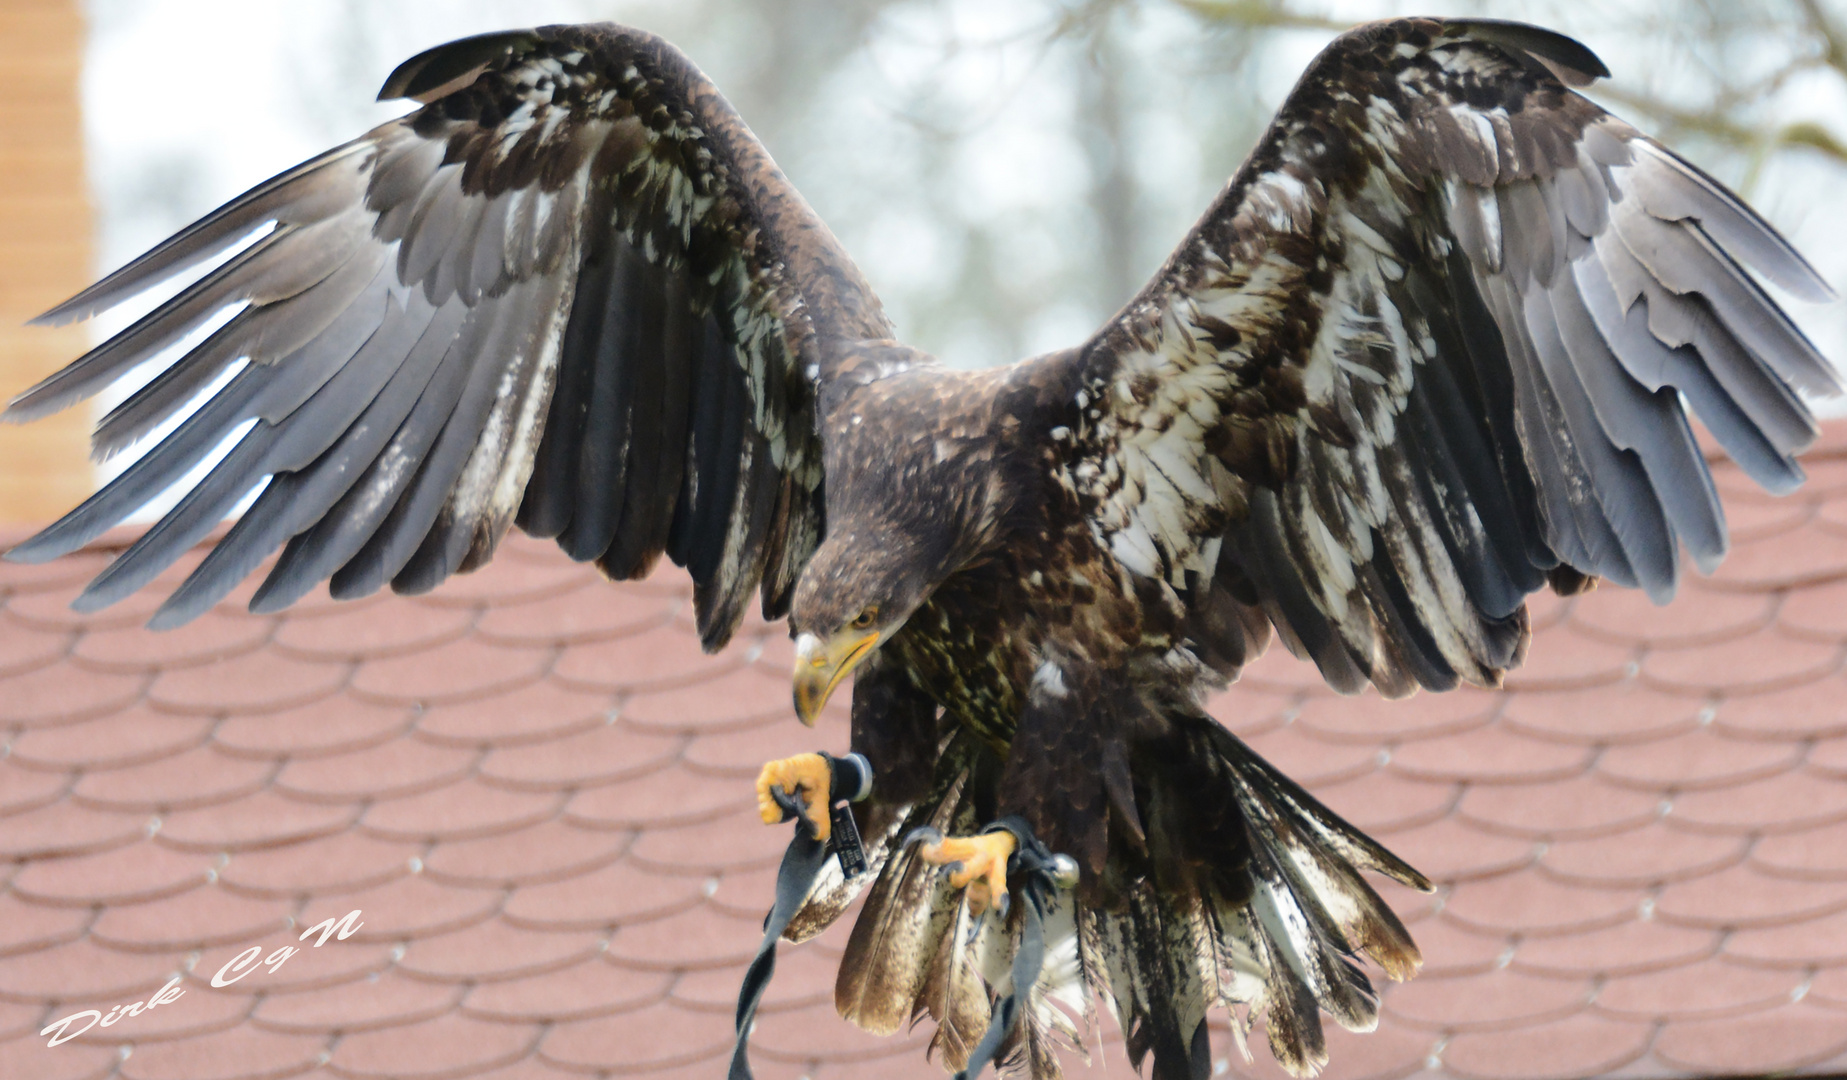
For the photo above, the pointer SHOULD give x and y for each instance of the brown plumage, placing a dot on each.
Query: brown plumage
(1425, 355)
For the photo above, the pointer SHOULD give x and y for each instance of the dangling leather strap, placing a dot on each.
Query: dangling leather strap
(1033, 872)
(850, 778)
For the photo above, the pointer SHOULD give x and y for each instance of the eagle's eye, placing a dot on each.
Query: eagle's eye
(866, 618)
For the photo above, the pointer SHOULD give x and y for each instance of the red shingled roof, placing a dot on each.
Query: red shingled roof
(536, 789)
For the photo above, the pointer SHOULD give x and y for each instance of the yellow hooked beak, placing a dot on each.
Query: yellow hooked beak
(819, 667)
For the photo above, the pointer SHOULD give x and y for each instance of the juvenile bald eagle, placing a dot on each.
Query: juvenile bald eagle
(1427, 353)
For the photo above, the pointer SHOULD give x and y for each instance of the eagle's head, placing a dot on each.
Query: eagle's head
(855, 594)
(913, 492)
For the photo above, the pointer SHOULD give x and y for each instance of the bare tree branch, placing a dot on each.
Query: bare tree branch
(1727, 119)
(1724, 126)
(1264, 14)
(1822, 25)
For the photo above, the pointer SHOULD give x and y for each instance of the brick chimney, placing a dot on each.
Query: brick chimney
(45, 229)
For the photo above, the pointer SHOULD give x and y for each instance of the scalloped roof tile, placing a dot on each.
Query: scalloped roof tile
(535, 788)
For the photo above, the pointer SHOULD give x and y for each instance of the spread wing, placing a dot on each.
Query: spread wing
(1432, 346)
(571, 290)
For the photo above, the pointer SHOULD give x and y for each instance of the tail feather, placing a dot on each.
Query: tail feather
(1061, 1001)
(1290, 952)
(901, 928)
(1240, 964)
(1059, 1015)
(1275, 933)
(1173, 980)
(955, 995)
(1321, 855)
(1158, 973)
(1294, 1023)
(1107, 958)
(1246, 893)
(1290, 911)
(1342, 841)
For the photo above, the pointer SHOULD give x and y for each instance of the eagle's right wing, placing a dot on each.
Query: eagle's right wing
(572, 288)
(1431, 347)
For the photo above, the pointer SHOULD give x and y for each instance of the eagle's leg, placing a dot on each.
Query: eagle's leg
(808, 777)
(980, 864)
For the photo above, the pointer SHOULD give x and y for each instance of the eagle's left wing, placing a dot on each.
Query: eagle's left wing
(1429, 348)
(570, 291)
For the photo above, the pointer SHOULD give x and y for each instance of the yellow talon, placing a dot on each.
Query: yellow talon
(984, 865)
(805, 775)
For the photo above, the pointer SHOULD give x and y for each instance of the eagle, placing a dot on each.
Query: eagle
(1433, 348)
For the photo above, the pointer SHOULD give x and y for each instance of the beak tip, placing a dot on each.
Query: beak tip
(808, 702)
(819, 668)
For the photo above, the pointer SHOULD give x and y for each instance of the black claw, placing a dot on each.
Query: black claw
(923, 833)
(792, 806)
